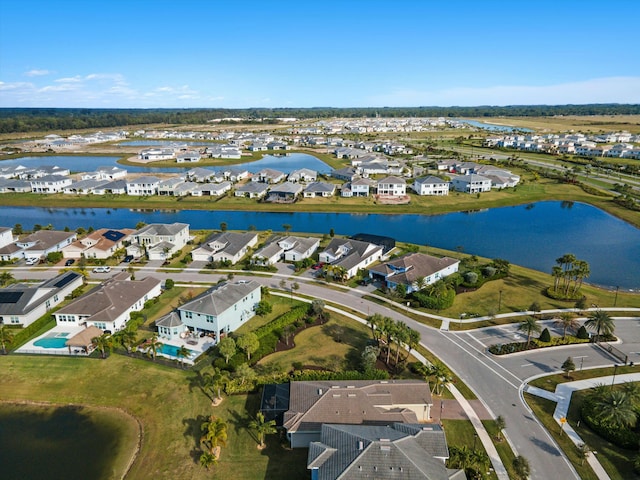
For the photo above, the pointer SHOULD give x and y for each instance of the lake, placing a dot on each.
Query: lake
(494, 128)
(285, 163)
(44, 443)
(531, 235)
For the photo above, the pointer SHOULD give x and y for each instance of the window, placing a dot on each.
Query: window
(188, 314)
(55, 298)
(15, 320)
(48, 304)
(209, 318)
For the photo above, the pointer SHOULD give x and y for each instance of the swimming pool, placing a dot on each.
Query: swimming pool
(53, 340)
(172, 351)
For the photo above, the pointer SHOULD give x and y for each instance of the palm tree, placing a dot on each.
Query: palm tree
(583, 452)
(215, 381)
(632, 389)
(600, 322)
(530, 326)
(374, 322)
(500, 425)
(153, 346)
(5, 278)
(421, 282)
(439, 373)
(262, 427)
(126, 338)
(556, 271)
(567, 320)
(413, 340)
(207, 459)
(401, 338)
(521, 467)
(214, 433)
(182, 353)
(616, 409)
(6, 337)
(103, 343)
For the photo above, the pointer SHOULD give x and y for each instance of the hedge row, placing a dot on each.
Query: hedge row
(440, 303)
(622, 437)
(26, 333)
(292, 316)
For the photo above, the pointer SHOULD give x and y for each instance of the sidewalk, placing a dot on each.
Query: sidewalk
(562, 396)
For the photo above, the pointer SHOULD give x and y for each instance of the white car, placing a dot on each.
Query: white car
(31, 261)
(102, 270)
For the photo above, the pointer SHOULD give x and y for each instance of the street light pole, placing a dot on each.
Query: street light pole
(615, 369)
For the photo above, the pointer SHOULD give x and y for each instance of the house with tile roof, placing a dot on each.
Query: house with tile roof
(108, 306)
(101, 243)
(415, 451)
(414, 270)
(225, 246)
(24, 303)
(217, 312)
(353, 402)
(350, 255)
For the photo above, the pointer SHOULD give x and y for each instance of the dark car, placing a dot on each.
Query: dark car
(69, 262)
(128, 258)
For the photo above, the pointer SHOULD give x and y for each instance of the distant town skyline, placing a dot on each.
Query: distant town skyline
(224, 54)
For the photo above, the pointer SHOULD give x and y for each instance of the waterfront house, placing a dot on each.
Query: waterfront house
(14, 185)
(430, 185)
(303, 175)
(155, 154)
(23, 303)
(319, 189)
(50, 184)
(471, 183)
(284, 192)
(101, 243)
(116, 187)
(353, 402)
(392, 186)
(160, 240)
(202, 175)
(188, 156)
(39, 244)
(145, 185)
(211, 189)
(268, 175)
(108, 306)
(252, 190)
(225, 246)
(350, 255)
(414, 270)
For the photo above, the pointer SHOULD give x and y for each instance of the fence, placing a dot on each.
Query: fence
(620, 355)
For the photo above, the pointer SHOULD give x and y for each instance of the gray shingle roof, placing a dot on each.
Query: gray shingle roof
(408, 268)
(170, 320)
(162, 229)
(21, 298)
(234, 242)
(220, 297)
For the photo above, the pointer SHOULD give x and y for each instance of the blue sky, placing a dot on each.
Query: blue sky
(238, 54)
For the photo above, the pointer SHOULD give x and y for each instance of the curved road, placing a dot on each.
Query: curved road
(497, 381)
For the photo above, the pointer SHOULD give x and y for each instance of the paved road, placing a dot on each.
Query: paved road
(497, 381)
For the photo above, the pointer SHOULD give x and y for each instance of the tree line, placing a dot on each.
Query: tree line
(13, 120)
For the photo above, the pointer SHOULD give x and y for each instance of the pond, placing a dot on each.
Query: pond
(43, 443)
(494, 128)
(531, 235)
(285, 163)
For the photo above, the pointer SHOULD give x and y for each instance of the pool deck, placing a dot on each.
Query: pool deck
(31, 348)
(196, 344)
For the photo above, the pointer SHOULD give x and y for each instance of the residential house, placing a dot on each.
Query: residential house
(225, 247)
(84, 187)
(235, 174)
(39, 244)
(393, 186)
(319, 189)
(101, 243)
(347, 174)
(108, 306)
(352, 402)
(358, 187)
(347, 256)
(268, 175)
(188, 156)
(211, 189)
(303, 175)
(13, 185)
(24, 303)
(202, 175)
(298, 248)
(145, 185)
(50, 184)
(499, 177)
(430, 185)
(471, 183)
(116, 187)
(160, 240)
(399, 450)
(105, 173)
(154, 154)
(6, 236)
(168, 186)
(284, 192)
(252, 190)
(268, 255)
(414, 270)
(217, 312)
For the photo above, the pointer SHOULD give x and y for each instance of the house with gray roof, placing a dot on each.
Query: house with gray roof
(169, 185)
(84, 187)
(348, 256)
(202, 175)
(24, 303)
(116, 187)
(414, 270)
(319, 189)
(108, 306)
(9, 185)
(225, 246)
(217, 312)
(298, 248)
(411, 451)
(284, 192)
(50, 184)
(430, 185)
(188, 156)
(268, 175)
(303, 175)
(347, 174)
(145, 185)
(471, 183)
(211, 189)
(252, 190)
(393, 186)
(159, 240)
(353, 402)
(39, 244)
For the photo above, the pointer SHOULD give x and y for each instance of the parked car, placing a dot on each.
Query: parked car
(318, 266)
(128, 259)
(102, 270)
(31, 261)
(71, 261)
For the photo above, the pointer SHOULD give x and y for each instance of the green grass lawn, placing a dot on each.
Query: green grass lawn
(169, 409)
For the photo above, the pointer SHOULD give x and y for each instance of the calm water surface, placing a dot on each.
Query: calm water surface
(530, 235)
(42, 443)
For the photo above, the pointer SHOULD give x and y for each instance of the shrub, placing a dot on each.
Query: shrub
(436, 303)
(471, 278)
(622, 437)
(263, 308)
(54, 257)
(582, 333)
(545, 336)
(489, 271)
(168, 284)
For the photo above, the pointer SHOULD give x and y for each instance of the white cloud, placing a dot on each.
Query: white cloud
(37, 72)
(599, 90)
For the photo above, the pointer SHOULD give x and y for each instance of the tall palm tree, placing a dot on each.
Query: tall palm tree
(439, 373)
(413, 340)
(556, 271)
(616, 409)
(262, 427)
(103, 343)
(126, 337)
(567, 320)
(153, 346)
(521, 467)
(374, 322)
(530, 326)
(6, 337)
(421, 282)
(600, 322)
(582, 271)
(214, 433)
(182, 353)
(401, 338)
(215, 381)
